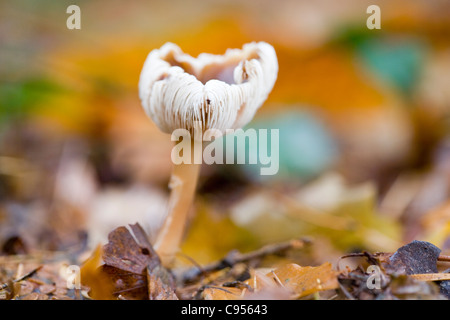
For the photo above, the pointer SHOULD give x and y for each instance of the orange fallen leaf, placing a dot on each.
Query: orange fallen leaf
(303, 281)
(92, 277)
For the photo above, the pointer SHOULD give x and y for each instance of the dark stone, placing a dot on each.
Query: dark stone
(416, 257)
(419, 257)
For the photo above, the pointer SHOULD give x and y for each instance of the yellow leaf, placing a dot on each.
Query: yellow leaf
(202, 243)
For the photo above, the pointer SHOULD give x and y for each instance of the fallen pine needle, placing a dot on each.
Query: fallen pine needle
(431, 276)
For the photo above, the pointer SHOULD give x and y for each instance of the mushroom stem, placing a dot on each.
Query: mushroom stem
(183, 183)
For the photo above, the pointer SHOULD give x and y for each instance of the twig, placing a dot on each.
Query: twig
(371, 258)
(431, 276)
(129, 289)
(203, 288)
(235, 257)
(191, 260)
(238, 284)
(346, 293)
(444, 258)
(28, 275)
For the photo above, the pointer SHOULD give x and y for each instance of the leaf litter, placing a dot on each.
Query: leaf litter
(128, 268)
(111, 168)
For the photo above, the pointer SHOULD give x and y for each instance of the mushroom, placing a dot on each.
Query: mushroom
(220, 92)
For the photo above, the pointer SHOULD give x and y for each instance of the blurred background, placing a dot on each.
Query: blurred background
(363, 116)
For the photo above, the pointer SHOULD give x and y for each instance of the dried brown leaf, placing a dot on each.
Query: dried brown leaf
(129, 253)
(132, 269)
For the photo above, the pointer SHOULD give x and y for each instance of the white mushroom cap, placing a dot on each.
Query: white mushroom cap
(221, 91)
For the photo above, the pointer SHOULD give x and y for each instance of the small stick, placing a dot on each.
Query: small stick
(235, 257)
(370, 257)
(431, 276)
(203, 288)
(29, 274)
